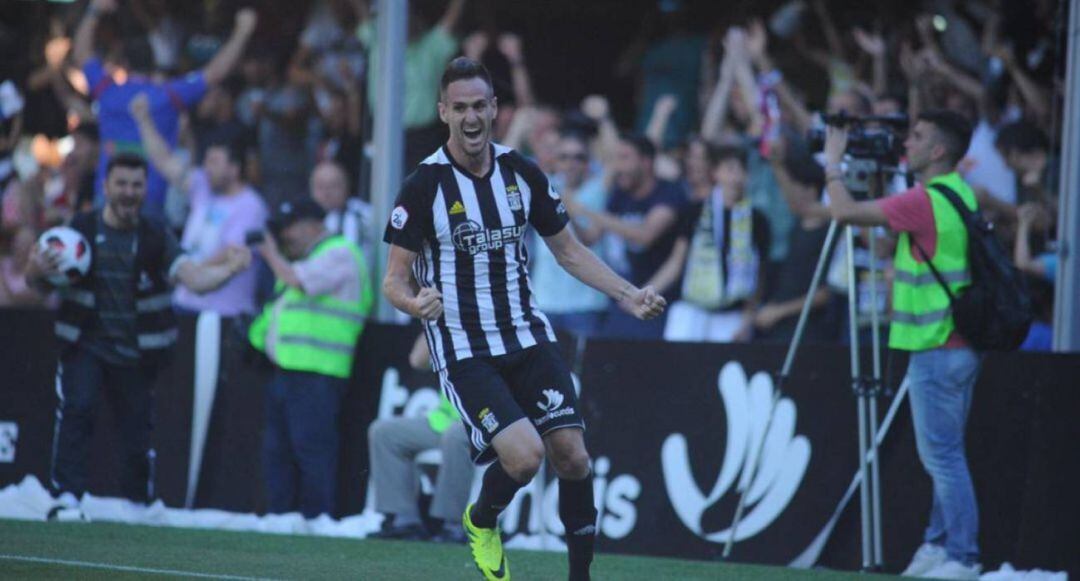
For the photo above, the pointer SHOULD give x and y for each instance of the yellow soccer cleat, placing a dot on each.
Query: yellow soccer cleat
(487, 549)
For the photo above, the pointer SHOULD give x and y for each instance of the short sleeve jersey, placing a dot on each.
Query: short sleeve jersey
(469, 234)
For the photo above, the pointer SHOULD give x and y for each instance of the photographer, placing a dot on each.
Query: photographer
(942, 367)
(309, 331)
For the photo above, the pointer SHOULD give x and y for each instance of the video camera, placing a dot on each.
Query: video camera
(875, 145)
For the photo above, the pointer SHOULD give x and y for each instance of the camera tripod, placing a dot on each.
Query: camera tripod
(867, 390)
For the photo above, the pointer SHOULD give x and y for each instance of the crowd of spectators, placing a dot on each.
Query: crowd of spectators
(711, 193)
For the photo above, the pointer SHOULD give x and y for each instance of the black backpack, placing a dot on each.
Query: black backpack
(994, 313)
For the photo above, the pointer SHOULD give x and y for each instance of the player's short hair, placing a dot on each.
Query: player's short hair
(126, 161)
(954, 128)
(641, 144)
(1023, 137)
(722, 153)
(461, 69)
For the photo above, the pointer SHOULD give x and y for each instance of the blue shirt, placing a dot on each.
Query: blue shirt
(119, 132)
(639, 263)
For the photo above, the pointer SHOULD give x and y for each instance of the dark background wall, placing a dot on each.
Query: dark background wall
(1021, 440)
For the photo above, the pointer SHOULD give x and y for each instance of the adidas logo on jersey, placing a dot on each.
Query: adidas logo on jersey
(457, 208)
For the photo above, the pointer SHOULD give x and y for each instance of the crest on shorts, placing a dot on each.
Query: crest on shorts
(488, 420)
(513, 197)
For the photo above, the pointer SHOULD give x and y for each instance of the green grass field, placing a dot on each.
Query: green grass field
(110, 551)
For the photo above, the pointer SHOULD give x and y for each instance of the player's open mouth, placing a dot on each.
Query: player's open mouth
(472, 134)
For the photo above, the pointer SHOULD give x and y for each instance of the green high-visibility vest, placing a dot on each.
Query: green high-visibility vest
(315, 333)
(443, 416)
(921, 317)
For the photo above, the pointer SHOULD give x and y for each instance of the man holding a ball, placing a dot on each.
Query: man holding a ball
(116, 324)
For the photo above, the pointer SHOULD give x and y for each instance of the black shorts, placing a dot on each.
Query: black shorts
(491, 393)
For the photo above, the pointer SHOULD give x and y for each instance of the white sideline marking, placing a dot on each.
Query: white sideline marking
(125, 568)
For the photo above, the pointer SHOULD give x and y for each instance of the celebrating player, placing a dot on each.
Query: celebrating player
(458, 262)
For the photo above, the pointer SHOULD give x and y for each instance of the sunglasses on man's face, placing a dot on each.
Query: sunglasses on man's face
(582, 157)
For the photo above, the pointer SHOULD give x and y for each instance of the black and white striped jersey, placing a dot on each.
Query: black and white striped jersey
(469, 233)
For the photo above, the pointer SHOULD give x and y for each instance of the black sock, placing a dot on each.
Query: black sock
(497, 490)
(577, 510)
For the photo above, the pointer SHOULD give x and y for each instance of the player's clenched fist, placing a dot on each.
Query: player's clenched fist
(644, 303)
(428, 304)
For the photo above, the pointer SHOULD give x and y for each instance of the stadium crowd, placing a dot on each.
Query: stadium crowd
(234, 124)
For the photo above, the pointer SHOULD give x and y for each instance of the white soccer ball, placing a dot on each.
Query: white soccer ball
(74, 253)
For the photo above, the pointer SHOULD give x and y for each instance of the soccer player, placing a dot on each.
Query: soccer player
(458, 262)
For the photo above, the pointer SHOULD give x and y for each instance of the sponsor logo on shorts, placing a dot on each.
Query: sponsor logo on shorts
(552, 407)
(488, 420)
(554, 400)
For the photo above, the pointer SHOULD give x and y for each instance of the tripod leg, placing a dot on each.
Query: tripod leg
(815, 283)
(875, 479)
(856, 374)
(789, 360)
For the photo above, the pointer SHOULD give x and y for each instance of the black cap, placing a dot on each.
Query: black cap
(288, 213)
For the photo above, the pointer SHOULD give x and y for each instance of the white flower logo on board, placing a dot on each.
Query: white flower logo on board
(785, 458)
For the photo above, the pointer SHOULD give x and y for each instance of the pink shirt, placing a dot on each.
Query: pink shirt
(912, 212)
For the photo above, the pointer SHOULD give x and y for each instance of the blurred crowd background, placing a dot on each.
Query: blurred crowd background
(638, 112)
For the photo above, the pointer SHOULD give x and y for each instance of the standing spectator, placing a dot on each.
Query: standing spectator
(426, 55)
(1042, 268)
(51, 90)
(802, 182)
(282, 113)
(113, 90)
(341, 142)
(11, 121)
(323, 296)
(725, 252)
(216, 121)
(569, 304)
(80, 169)
(116, 326)
(671, 65)
(1026, 150)
(223, 210)
(639, 228)
(346, 215)
(394, 444)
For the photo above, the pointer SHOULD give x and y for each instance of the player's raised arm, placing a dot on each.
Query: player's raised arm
(572, 255)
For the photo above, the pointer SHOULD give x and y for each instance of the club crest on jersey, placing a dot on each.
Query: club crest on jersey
(470, 237)
(399, 217)
(457, 208)
(488, 420)
(513, 197)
